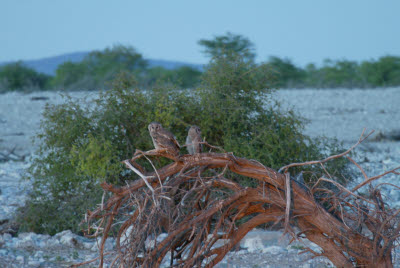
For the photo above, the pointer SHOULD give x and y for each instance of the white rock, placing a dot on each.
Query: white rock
(38, 254)
(67, 238)
(125, 237)
(95, 247)
(253, 244)
(150, 243)
(20, 259)
(26, 240)
(88, 245)
(34, 263)
(53, 243)
(7, 237)
(273, 250)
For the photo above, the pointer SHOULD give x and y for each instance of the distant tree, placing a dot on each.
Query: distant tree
(69, 74)
(312, 76)
(228, 44)
(384, 72)
(111, 61)
(183, 77)
(16, 76)
(155, 75)
(187, 77)
(99, 67)
(288, 75)
(341, 73)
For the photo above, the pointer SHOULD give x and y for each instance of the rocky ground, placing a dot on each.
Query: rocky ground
(333, 113)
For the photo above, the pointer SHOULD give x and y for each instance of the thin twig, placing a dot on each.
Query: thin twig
(361, 139)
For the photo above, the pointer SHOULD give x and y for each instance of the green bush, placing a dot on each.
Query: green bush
(98, 68)
(381, 73)
(83, 142)
(225, 45)
(17, 77)
(288, 75)
(183, 77)
(340, 74)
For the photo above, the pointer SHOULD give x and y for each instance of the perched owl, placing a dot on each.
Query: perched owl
(163, 139)
(193, 139)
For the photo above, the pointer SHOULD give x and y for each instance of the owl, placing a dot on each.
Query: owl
(163, 139)
(193, 139)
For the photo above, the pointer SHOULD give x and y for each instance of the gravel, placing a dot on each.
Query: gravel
(337, 113)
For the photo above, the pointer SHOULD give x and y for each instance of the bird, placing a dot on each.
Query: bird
(163, 139)
(193, 140)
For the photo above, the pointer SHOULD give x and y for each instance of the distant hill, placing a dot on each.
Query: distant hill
(49, 65)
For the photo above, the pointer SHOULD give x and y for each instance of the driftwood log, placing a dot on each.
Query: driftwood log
(203, 215)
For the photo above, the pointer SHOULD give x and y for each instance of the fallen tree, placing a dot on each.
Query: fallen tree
(204, 214)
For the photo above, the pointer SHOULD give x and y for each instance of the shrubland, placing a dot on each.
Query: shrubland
(83, 142)
(100, 67)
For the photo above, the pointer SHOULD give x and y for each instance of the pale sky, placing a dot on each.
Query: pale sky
(302, 30)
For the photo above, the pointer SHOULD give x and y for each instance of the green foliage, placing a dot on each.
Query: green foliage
(384, 72)
(82, 144)
(332, 74)
(237, 112)
(183, 77)
(84, 141)
(72, 76)
(342, 73)
(17, 77)
(95, 158)
(98, 68)
(337, 74)
(228, 44)
(288, 75)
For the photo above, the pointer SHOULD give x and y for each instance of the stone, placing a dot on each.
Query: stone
(20, 259)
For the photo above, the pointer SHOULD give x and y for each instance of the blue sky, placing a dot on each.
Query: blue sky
(302, 30)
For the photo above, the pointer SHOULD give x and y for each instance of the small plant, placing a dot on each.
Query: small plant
(75, 255)
(297, 247)
(59, 258)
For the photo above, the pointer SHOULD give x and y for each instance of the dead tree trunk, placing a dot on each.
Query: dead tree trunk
(195, 205)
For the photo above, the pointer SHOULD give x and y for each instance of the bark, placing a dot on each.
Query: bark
(197, 205)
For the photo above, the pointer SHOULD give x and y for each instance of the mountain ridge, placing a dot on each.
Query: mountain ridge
(48, 65)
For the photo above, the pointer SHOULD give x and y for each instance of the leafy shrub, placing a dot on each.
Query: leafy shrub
(98, 68)
(183, 77)
(225, 45)
(288, 75)
(16, 76)
(384, 72)
(83, 142)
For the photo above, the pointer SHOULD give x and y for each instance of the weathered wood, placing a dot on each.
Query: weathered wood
(197, 210)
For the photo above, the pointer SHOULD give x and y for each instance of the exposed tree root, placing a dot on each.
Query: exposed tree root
(203, 215)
